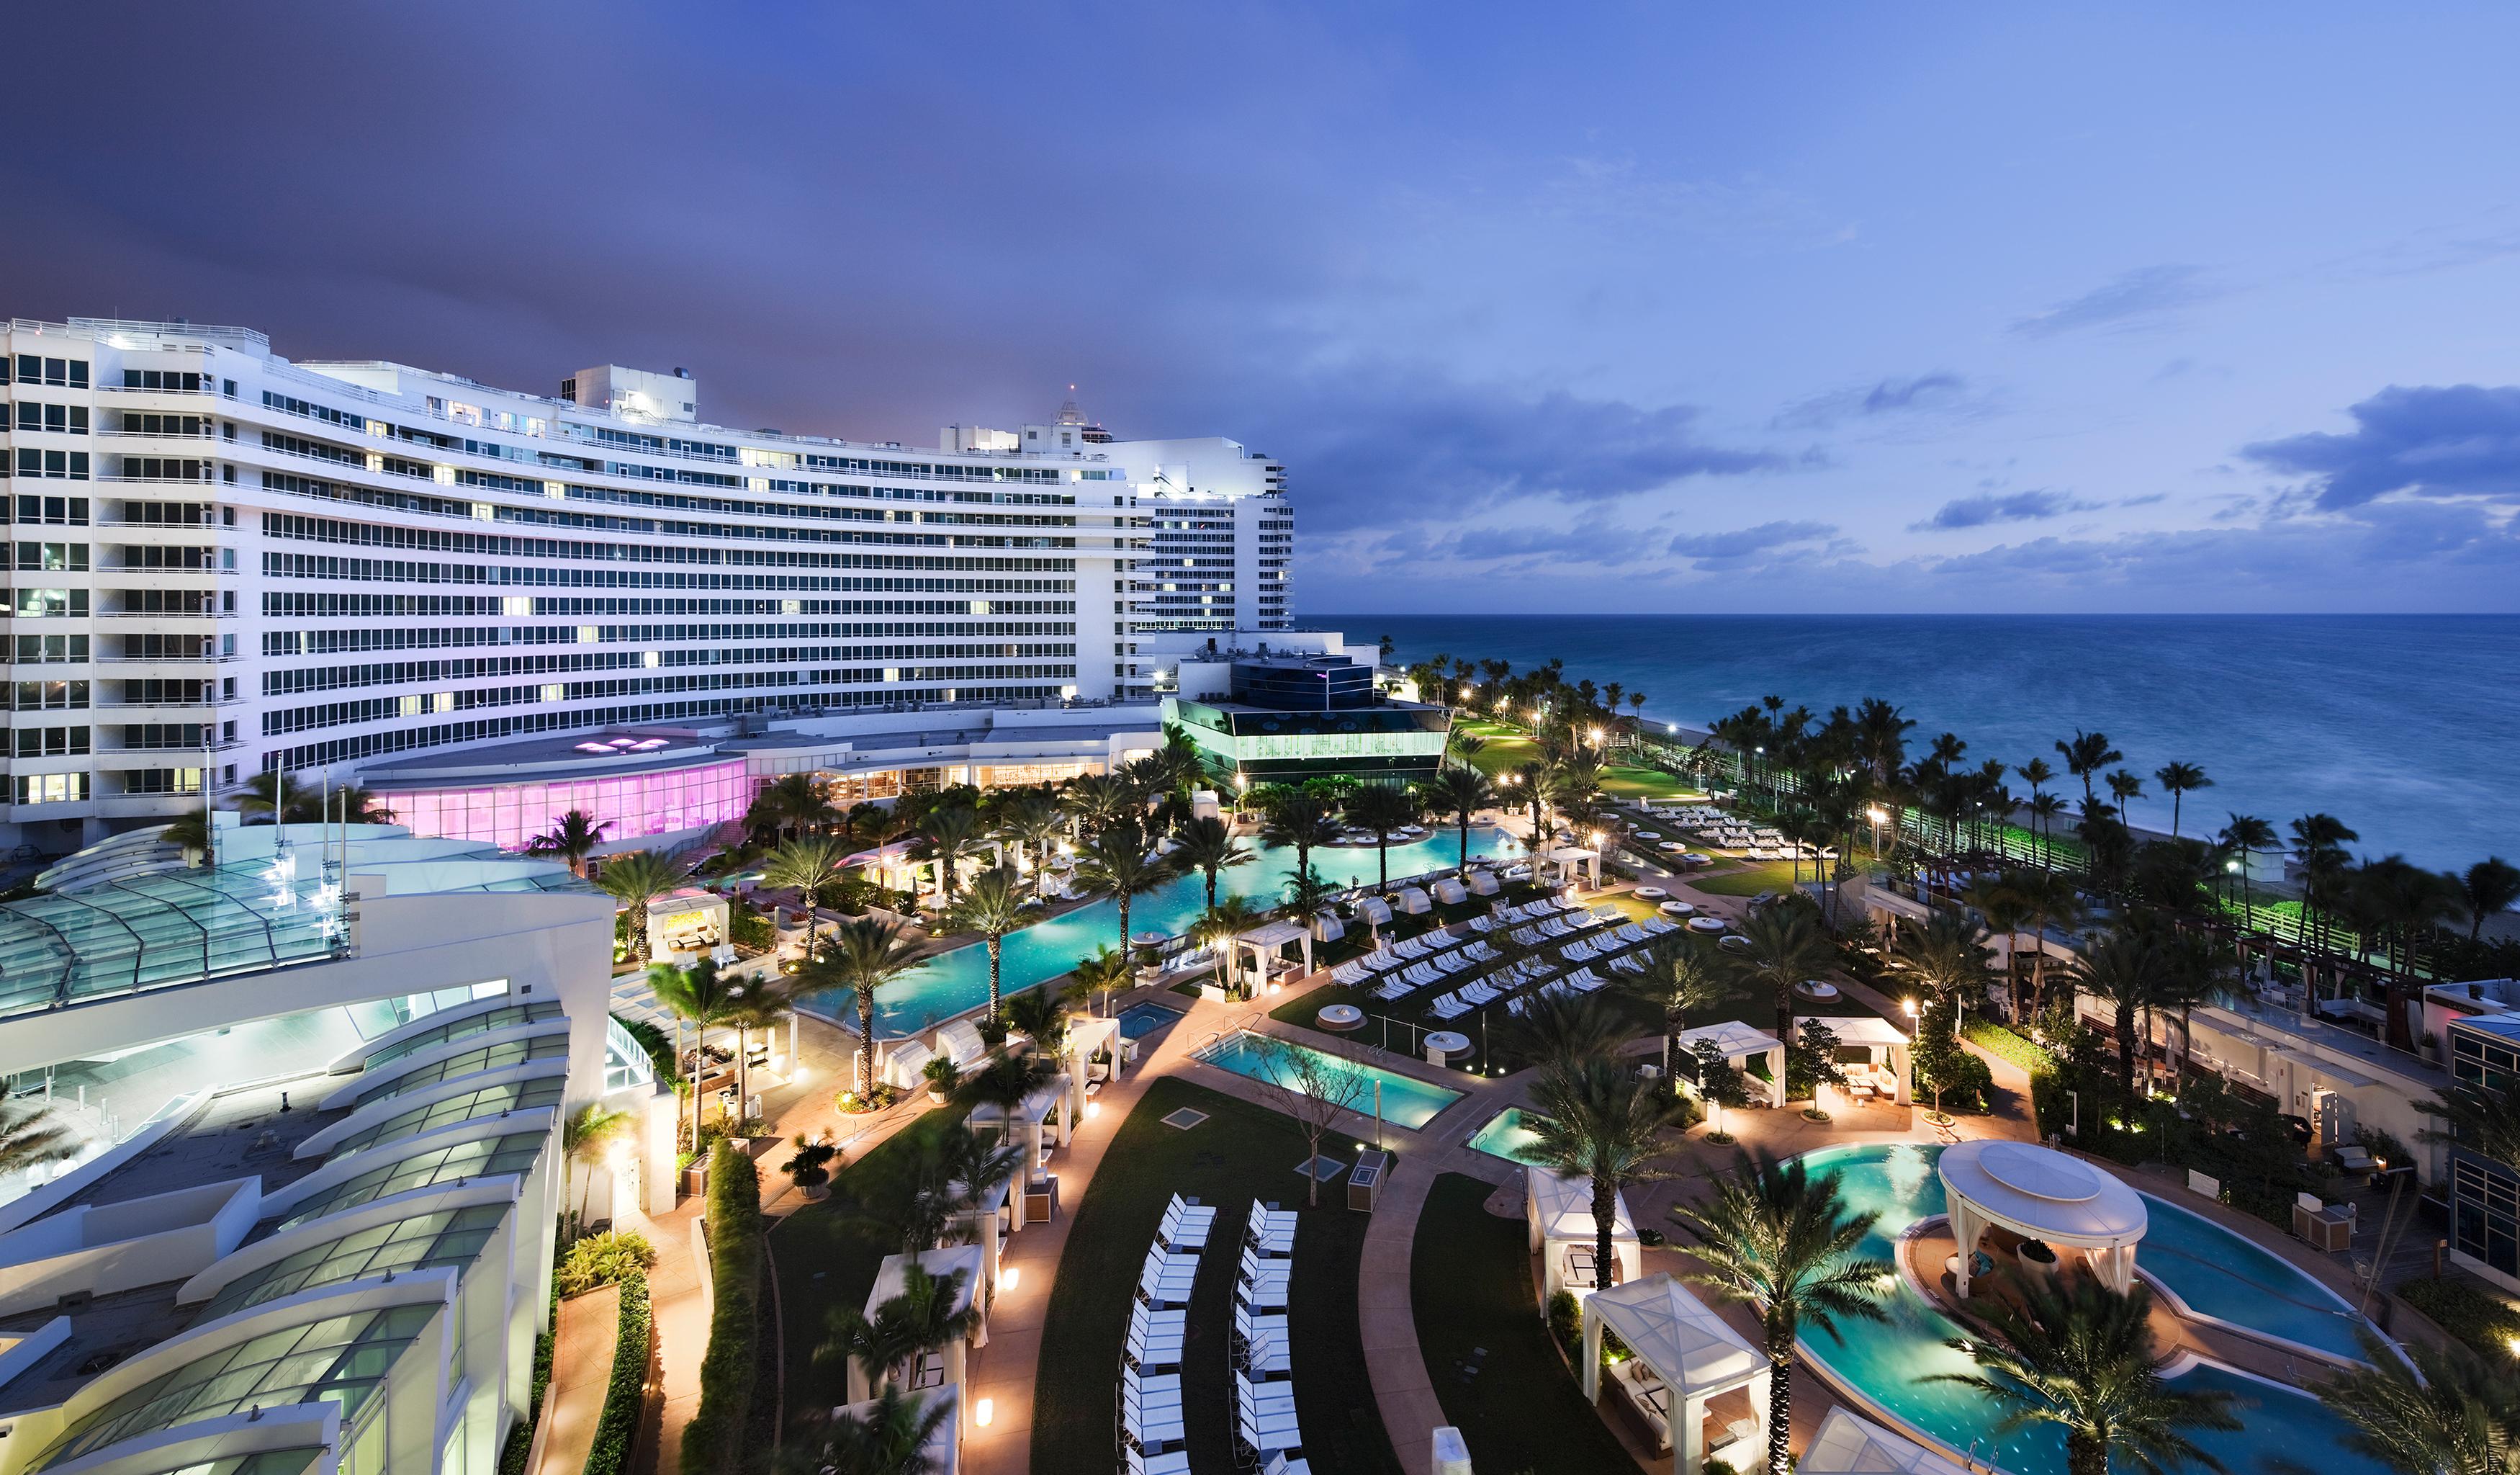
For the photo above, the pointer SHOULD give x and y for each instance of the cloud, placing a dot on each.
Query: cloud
(1711, 551)
(1586, 544)
(2147, 292)
(2458, 441)
(2018, 507)
(1939, 389)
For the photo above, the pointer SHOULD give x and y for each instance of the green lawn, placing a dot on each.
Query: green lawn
(827, 1258)
(1240, 1153)
(1506, 747)
(1752, 878)
(1469, 1283)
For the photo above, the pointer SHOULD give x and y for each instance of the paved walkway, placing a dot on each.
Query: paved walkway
(589, 1328)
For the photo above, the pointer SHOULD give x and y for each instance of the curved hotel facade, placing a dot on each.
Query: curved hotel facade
(226, 563)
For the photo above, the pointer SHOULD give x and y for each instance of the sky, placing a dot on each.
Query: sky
(1815, 308)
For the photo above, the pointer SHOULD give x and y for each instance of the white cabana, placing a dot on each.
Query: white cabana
(2041, 1193)
(1686, 1357)
(1451, 892)
(1559, 1213)
(1040, 1120)
(1569, 857)
(949, 1369)
(1375, 911)
(1889, 1070)
(686, 919)
(903, 1064)
(1262, 944)
(1738, 1043)
(1481, 882)
(1411, 901)
(960, 1043)
(990, 1219)
(1847, 1444)
(1088, 1035)
(1326, 927)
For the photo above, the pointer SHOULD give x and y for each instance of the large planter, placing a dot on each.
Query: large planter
(936, 1096)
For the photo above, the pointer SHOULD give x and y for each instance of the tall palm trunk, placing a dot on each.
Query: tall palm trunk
(1381, 858)
(1781, 1401)
(2084, 1455)
(865, 1038)
(996, 946)
(1606, 1210)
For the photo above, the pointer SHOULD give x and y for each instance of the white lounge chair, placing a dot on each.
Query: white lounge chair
(1184, 1226)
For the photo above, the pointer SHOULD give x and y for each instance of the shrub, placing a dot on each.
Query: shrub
(1970, 1085)
(2004, 1045)
(1567, 1322)
(608, 1259)
(616, 1428)
(712, 1440)
(941, 1072)
(811, 1166)
(2486, 1323)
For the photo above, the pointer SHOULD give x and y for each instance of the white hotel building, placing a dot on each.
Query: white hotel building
(227, 563)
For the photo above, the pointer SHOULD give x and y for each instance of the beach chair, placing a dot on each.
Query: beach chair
(1155, 1389)
(1268, 1220)
(1166, 1280)
(1260, 1296)
(1263, 1397)
(1448, 1008)
(1605, 912)
(1390, 988)
(1184, 1224)
(1268, 1355)
(1170, 1463)
(1248, 1328)
(1658, 926)
(1631, 963)
(1151, 1425)
(1154, 1349)
(1481, 951)
(1350, 973)
(1580, 950)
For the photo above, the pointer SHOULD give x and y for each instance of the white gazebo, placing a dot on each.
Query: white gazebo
(950, 1368)
(1889, 1046)
(1848, 1444)
(1264, 940)
(1686, 1357)
(1559, 1211)
(1738, 1042)
(2041, 1193)
(1568, 858)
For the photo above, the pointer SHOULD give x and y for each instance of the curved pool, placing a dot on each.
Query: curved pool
(950, 983)
(1888, 1360)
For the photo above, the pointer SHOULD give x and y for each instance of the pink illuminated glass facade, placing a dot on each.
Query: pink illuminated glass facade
(633, 806)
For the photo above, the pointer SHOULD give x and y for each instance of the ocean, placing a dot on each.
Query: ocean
(2405, 728)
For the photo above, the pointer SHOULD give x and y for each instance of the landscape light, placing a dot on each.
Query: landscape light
(1878, 815)
(984, 1413)
(1009, 1277)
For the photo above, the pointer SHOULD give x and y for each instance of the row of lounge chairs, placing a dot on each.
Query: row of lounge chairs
(1150, 1398)
(1593, 940)
(1265, 1426)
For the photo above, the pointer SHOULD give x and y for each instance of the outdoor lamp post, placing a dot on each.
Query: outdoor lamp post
(1879, 818)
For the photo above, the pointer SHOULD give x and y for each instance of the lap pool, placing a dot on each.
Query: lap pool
(951, 983)
(1886, 1361)
(1406, 1100)
(1505, 1137)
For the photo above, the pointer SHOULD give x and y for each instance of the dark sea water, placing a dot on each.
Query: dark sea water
(2407, 727)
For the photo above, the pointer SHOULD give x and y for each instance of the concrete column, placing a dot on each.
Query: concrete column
(1777, 1076)
(1689, 1435)
(657, 1153)
(1968, 1228)
(1591, 1355)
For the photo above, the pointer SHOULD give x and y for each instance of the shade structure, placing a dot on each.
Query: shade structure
(1848, 1444)
(972, 1261)
(961, 1041)
(1558, 1211)
(1451, 892)
(1326, 927)
(1411, 901)
(1694, 1354)
(1261, 945)
(1889, 1045)
(1568, 857)
(2042, 1194)
(944, 1447)
(1374, 910)
(1482, 883)
(1738, 1043)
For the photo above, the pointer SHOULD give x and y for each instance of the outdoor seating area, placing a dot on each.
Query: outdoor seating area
(1542, 938)
(1694, 1383)
(1726, 831)
(1152, 1429)
(1558, 1211)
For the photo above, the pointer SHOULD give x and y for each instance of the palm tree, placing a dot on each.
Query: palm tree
(1560, 1028)
(2126, 968)
(1040, 1015)
(1677, 983)
(572, 837)
(1599, 1122)
(2320, 840)
(1208, 847)
(1102, 970)
(1299, 820)
(2178, 780)
(760, 1003)
(1307, 893)
(1786, 1243)
(2445, 1414)
(191, 834)
(2243, 836)
(279, 798)
(807, 863)
(950, 834)
(694, 996)
(1097, 801)
(1117, 862)
(2486, 889)
(1006, 1081)
(1786, 947)
(992, 905)
(919, 1319)
(29, 1137)
(789, 802)
(634, 880)
(1382, 808)
(1460, 793)
(1222, 923)
(866, 953)
(890, 1438)
(1943, 958)
(1031, 818)
(2402, 901)
(2086, 754)
(2124, 787)
(584, 1134)
(2078, 1355)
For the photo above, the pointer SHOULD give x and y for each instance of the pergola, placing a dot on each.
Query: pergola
(1738, 1043)
(1264, 940)
(1889, 1045)
(2044, 1194)
(889, 1279)
(1559, 1213)
(1686, 1356)
(1847, 1444)
(1566, 857)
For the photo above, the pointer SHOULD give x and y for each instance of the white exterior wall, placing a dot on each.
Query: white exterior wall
(346, 587)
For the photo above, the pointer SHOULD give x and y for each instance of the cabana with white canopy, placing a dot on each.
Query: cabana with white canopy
(1738, 1043)
(1559, 1211)
(1888, 1071)
(1686, 1356)
(1041, 1120)
(1568, 858)
(1088, 1035)
(1411, 901)
(2039, 1194)
(948, 1371)
(1262, 942)
(1374, 912)
(1449, 891)
(1481, 881)
(1847, 1444)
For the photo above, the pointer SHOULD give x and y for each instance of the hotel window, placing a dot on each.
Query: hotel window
(65, 510)
(2485, 1213)
(54, 464)
(35, 649)
(52, 604)
(2479, 1060)
(51, 696)
(54, 419)
(52, 557)
(61, 373)
(52, 742)
(51, 788)
(162, 378)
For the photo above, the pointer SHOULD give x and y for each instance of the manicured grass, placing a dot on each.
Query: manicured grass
(1470, 1285)
(828, 1257)
(1751, 879)
(1240, 1153)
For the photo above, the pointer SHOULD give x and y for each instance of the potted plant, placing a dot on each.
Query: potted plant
(810, 1169)
(942, 1078)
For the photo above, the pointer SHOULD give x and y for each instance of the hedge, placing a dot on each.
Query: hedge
(2004, 1045)
(2486, 1323)
(616, 1429)
(520, 1434)
(713, 1440)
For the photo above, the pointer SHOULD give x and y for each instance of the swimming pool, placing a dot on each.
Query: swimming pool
(1139, 1020)
(1505, 1136)
(1887, 1360)
(1406, 1100)
(950, 983)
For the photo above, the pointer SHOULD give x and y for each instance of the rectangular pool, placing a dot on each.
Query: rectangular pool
(1505, 1136)
(1406, 1100)
(1139, 1020)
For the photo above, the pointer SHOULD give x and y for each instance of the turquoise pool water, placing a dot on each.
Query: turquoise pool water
(1406, 1100)
(2222, 1275)
(1505, 1136)
(1139, 1020)
(952, 982)
(1888, 1359)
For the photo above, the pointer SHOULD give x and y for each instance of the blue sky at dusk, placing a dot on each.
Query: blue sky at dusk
(1787, 309)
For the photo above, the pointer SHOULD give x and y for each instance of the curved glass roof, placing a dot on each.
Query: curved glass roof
(267, 1463)
(489, 1057)
(449, 1236)
(488, 1101)
(482, 1157)
(471, 1023)
(339, 1360)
